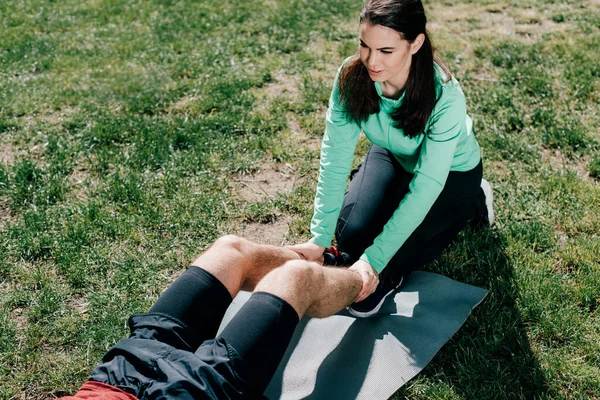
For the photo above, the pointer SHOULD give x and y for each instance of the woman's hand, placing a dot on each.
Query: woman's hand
(369, 277)
(309, 251)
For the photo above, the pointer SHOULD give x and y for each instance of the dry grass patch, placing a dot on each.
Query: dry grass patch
(459, 28)
(266, 185)
(498, 169)
(274, 233)
(468, 21)
(5, 215)
(51, 116)
(326, 54)
(298, 131)
(7, 153)
(268, 182)
(80, 304)
(82, 183)
(284, 85)
(183, 105)
(559, 162)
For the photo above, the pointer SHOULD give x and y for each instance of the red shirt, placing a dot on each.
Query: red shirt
(99, 391)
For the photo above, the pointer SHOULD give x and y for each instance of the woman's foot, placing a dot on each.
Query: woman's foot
(489, 200)
(371, 305)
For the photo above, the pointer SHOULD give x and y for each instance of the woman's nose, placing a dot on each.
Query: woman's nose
(372, 60)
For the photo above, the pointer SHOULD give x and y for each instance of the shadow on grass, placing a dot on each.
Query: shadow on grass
(490, 357)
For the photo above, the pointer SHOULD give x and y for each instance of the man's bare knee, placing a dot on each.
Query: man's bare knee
(295, 282)
(293, 274)
(226, 261)
(227, 251)
(303, 273)
(229, 243)
(233, 248)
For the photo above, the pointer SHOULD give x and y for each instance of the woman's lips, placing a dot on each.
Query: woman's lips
(372, 72)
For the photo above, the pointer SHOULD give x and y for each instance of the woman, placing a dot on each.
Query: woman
(421, 180)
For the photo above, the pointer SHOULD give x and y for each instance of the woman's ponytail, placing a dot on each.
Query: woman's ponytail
(420, 92)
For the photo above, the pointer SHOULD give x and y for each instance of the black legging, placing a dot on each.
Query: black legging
(375, 192)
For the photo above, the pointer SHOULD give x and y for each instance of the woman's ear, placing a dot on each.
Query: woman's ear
(417, 43)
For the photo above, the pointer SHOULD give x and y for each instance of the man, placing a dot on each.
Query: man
(172, 351)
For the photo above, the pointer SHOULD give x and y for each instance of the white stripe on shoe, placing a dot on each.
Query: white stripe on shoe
(489, 199)
(375, 310)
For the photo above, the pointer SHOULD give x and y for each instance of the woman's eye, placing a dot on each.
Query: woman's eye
(386, 52)
(361, 44)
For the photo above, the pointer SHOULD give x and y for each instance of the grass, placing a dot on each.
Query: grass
(125, 125)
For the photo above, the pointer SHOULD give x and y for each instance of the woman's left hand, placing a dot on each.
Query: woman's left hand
(369, 277)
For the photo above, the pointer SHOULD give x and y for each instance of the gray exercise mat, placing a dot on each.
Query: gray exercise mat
(342, 357)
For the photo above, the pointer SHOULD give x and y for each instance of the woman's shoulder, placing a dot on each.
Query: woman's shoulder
(451, 99)
(447, 85)
(443, 77)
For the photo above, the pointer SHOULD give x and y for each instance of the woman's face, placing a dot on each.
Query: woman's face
(386, 55)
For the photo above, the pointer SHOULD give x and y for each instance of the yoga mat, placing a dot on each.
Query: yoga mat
(343, 357)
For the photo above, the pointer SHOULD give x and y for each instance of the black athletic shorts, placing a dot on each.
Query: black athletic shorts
(172, 351)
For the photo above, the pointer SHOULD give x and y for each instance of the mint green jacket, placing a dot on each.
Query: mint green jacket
(448, 145)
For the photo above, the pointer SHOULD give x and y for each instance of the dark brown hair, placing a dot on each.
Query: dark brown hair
(356, 88)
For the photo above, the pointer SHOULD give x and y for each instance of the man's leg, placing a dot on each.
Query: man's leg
(311, 288)
(201, 295)
(240, 264)
(261, 331)
(187, 314)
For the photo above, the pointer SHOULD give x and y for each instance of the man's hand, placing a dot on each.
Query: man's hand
(369, 277)
(309, 251)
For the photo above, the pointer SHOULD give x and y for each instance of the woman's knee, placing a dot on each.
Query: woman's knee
(354, 236)
(350, 230)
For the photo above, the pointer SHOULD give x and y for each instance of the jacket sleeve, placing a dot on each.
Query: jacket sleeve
(444, 128)
(337, 154)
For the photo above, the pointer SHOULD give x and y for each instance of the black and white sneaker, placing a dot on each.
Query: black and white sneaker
(489, 200)
(371, 305)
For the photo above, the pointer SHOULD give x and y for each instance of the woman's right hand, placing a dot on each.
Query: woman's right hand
(309, 251)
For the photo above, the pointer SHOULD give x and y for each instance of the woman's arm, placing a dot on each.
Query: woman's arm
(337, 154)
(432, 169)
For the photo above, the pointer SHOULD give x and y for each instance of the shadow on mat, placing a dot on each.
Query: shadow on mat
(343, 363)
(490, 356)
(346, 366)
(342, 374)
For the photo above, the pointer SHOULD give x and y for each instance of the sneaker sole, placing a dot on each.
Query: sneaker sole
(489, 200)
(375, 310)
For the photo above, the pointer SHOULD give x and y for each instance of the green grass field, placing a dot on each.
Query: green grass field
(134, 133)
